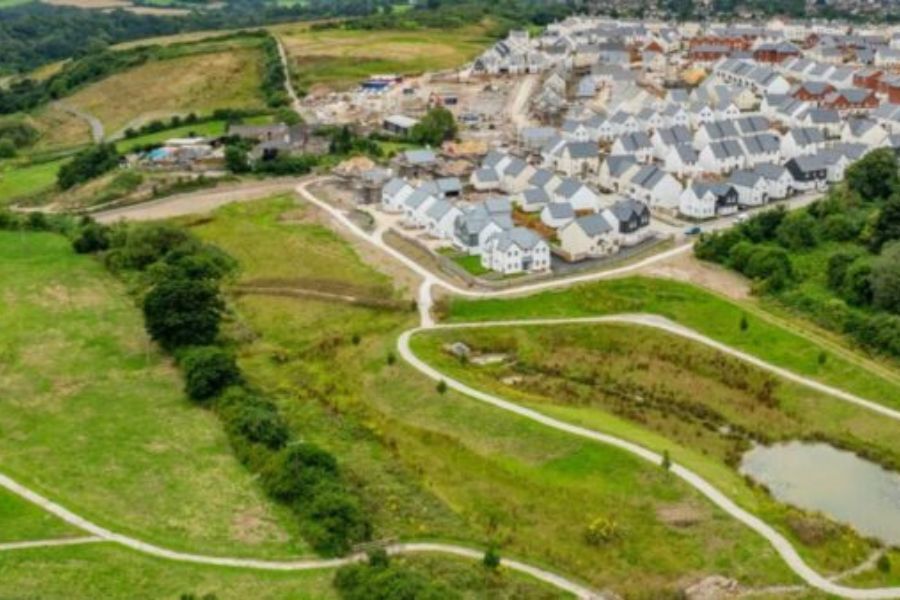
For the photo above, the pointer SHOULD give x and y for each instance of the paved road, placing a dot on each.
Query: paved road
(198, 202)
(784, 548)
(101, 534)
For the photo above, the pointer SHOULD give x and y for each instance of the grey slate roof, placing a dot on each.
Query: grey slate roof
(593, 225)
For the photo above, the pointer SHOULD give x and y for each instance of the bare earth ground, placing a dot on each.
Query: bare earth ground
(685, 267)
(198, 202)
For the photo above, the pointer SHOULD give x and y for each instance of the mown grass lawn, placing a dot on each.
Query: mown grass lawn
(443, 466)
(93, 416)
(776, 340)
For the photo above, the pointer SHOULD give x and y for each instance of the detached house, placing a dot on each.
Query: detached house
(576, 158)
(682, 161)
(394, 195)
(656, 188)
(863, 131)
(722, 157)
(615, 172)
(802, 141)
(751, 188)
(440, 219)
(518, 250)
(779, 181)
(475, 225)
(634, 144)
(632, 219)
(588, 237)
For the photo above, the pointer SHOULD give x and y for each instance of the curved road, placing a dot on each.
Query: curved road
(97, 132)
(101, 534)
(429, 280)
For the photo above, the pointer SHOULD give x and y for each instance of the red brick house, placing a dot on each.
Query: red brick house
(813, 91)
(775, 52)
(852, 100)
(867, 78)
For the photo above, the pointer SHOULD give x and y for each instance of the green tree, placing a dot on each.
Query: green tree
(885, 279)
(92, 237)
(839, 228)
(435, 128)
(208, 370)
(441, 387)
(236, 159)
(886, 227)
(179, 312)
(745, 324)
(87, 165)
(857, 288)
(7, 148)
(797, 231)
(874, 177)
(335, 521)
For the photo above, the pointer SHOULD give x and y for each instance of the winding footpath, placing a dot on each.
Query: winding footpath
(101, 534)
(430, 280)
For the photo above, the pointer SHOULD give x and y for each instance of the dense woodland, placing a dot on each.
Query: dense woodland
(836, 261)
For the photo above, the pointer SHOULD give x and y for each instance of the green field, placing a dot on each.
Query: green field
(767, 336)
(114, 573)
(669, 394)
(22, 521)
(93, 416)
(203, 129)
(445, 466)
(21, 181)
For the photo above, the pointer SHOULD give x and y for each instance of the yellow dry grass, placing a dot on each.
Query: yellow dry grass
(59, 129)
(339, 58)
(198, 83)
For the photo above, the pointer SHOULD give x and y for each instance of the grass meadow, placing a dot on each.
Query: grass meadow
(94, 417)
(443, 466)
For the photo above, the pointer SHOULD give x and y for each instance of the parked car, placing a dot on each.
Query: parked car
(695, 230)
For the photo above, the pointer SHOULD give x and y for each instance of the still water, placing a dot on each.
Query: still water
(837, 483)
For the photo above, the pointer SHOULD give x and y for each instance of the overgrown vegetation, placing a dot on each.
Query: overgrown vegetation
(835, 261)
(87, 165)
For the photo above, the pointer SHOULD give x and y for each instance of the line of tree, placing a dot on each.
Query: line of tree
(273, 80)
(179, 282)
(859, 226)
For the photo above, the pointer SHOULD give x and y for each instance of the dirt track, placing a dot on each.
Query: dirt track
(198, 202)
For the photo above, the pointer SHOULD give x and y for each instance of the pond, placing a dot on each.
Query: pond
(835, 482)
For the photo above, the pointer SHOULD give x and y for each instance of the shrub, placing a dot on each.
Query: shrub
(87, 165)
(491, 558)
(771, 265)
(179, 312)
(797, 231)
(253, 418)
(7, 148)
(441, 387)
(873, 177)
(885, 279)
(839, 228)
(884, 563)
(92, 237)
(600, 531)
(139, 246)
(297, 470)
(836, 271)
(364, 582)
(208, 370)
(857, 287)
(334, 521)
